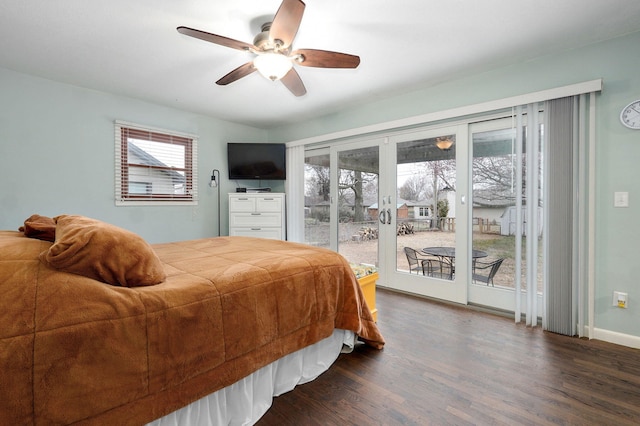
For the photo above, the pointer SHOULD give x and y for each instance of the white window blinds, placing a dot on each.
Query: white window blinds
(154, 166)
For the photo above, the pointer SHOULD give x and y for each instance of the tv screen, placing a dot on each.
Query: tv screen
(256, 161)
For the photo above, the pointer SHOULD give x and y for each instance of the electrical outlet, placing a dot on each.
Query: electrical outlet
(620, 299)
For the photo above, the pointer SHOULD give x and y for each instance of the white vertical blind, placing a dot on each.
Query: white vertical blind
(590, 211)
(528, 202)
(295, 193)
(568, 209)
(519, 221)
(563, 194)
(533, 201)
(561, 206)
(583, 224)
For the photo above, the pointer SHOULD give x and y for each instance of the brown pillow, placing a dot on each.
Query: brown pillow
(103, 252)
(40, 227)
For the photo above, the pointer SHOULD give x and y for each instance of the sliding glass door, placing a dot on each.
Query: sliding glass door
(500, 172)
(490, 210)
(436, 210)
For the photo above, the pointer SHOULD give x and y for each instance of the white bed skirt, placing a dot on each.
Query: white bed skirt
(244, 402)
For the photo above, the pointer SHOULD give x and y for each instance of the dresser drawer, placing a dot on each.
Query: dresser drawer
(259, 232)
(269, 204)
(242, 204)
(255, 219)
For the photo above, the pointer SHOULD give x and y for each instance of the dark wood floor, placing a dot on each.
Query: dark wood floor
(444, 364)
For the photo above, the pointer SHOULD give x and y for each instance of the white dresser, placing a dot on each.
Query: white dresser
(257, 215)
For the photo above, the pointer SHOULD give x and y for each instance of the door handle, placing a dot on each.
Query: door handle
(383, 216)
(388, 216)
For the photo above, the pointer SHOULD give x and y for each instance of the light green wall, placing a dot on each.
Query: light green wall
(617, 61)
(57, 153)
(57, 157)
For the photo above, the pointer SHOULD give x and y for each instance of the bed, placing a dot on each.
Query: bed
(99, 327)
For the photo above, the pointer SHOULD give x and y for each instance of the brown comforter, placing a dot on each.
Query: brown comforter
(76, 350)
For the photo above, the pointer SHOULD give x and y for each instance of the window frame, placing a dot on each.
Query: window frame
(125, 131)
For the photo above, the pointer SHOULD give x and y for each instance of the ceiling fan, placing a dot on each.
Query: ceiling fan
(272, 47)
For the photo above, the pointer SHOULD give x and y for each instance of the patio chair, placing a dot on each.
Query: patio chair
(485, 271)
(418, 262)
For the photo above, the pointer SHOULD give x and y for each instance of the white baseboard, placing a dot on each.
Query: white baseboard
(617, 338)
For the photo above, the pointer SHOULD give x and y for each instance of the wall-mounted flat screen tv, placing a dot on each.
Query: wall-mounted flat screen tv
(256, 161)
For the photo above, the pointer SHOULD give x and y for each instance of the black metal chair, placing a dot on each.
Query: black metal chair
(489, 270)
(418, 262)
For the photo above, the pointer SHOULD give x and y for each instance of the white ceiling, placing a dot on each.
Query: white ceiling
(131, 47)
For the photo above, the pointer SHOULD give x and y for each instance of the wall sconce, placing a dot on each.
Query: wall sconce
(215, 178)
(214, 183)
(444, 144)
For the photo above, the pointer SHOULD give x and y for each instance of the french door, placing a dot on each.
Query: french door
(370, 199)
(426, 191)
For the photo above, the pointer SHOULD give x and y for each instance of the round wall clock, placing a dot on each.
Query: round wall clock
(630, 115)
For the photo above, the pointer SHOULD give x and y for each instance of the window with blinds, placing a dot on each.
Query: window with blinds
(154, 166)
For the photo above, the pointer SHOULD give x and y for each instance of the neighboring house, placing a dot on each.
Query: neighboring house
(490, 206)
(152, 180)
(317, 207)
(402, 210)
(500, 209)
(348, 204)
(417, 209)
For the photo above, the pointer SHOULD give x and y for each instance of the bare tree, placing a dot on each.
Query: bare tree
(494, 177)
(356, 184)
(414, 188)
(443, 175)
(317, 183)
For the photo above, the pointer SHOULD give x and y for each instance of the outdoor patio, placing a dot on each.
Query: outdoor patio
(358, 250)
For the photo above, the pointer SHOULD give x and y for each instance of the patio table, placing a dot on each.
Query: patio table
(448, 255)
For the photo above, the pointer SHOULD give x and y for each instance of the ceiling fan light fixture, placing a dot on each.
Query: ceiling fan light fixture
(274, 56)
(273, 66)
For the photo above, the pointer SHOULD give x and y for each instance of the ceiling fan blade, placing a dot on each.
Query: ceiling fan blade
(293, 82)
(237, 74)
(326, 59)
(214, 38)
(287, 21)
